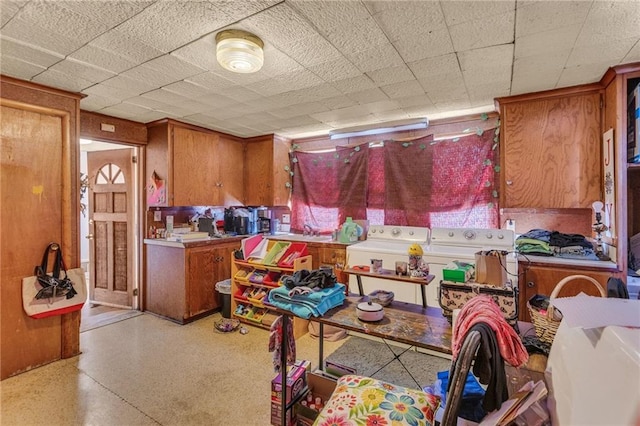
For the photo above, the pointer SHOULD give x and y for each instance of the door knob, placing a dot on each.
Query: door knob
(89, 237)
(531, 284)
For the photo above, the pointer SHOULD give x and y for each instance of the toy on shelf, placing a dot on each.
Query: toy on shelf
(417, 266)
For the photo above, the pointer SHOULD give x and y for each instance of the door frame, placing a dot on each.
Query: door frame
(138, 216)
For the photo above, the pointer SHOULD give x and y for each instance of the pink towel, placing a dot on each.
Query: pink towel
(482, 308)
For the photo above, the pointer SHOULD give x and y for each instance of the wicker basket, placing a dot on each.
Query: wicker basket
(545, 324)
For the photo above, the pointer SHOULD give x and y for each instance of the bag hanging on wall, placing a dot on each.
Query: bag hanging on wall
(491, 267)
(58, 292)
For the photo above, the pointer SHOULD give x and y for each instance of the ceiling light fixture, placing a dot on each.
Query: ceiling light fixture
(239, 51)
(397, 126)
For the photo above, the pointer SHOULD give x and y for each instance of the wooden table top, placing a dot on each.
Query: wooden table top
(388, 274)
(406, 323)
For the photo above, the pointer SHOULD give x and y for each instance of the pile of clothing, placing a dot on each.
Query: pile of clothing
(540, 242)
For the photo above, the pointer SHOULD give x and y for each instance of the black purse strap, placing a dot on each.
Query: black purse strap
(58, 264)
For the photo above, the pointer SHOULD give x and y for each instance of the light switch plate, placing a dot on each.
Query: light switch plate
(157, 216)
(286, 218)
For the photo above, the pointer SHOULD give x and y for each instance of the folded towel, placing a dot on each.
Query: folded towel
(305, 305)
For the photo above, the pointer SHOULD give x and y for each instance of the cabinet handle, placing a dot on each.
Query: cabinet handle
(509, 182)
(531, 284)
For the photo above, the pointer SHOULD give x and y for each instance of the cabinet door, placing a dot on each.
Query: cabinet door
(259, 172)
(196, 167)
(543, 280)
(230, 182)
(202, 267)
(552, 150)
(333, 257)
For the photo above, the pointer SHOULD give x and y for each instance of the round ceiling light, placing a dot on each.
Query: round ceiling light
(239, 51)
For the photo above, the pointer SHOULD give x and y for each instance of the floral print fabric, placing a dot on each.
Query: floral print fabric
(359, 400)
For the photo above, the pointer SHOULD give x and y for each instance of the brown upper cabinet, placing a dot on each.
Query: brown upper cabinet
(199, 167)
(551, 149)
(266, 171)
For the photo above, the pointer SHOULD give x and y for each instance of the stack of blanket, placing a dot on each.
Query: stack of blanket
(305, 302)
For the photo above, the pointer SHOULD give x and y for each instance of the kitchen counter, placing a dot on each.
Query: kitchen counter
(191, 243)
(319, 239)
(563, 261)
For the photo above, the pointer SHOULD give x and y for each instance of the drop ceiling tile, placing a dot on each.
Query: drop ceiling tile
(163, 70)
(414, 100)
(282, 24)
(124, 108)
(150, 116)
(547, 42)
(31, 34)
(62, 80)
(612, 52)
(377, 57)
(78, 69)
(326, 13)
(9, 9)
(446, 65)
(168, 25)
(441, 94)
(146, 103)
(305, 131)
(210, 81)
(386, 76)
(27, 53)
(353, 36)
(460, 12)
(340, 114)
(315, 93)
(529, 80)
(337, 102)
(552, 63)
(391, 115)
(484, 93)
(354, 84)
(310, 51)
(19, 69)
(535, 17)
(126, 45)
(102, 58)
(97, 102)
(109, 13)
(239, 93)
(260, 117)
(298, 109)
(381, 106)
(188, 89)
(164, 96)
(610, 20)
(410, 19)
(483, 32)
(427, 45)
(217, 100)
(452, 104)
(194, 106)
(334, 70)
(402, 90)
(108, 92)
(485, 64)
(585, 73)
(633, 55)
(131, 86)
(367, 96)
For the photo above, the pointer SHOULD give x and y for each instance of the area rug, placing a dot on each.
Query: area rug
(373, 358)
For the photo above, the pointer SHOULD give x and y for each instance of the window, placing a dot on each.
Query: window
(422, 182)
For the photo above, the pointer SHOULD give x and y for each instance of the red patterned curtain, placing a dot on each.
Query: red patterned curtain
(422, 182)
(443, 183)
(328, 187)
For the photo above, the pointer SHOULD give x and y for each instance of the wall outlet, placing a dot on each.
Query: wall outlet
(286, 218)
(511, 225)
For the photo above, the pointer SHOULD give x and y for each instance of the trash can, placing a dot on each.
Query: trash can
(224, 288)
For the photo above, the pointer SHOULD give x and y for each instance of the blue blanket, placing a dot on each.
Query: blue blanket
(315, 303)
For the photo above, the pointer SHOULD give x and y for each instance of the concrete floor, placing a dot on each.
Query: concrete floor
(149, 371)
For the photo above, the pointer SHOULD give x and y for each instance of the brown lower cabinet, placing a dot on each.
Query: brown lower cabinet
(181, 280)
(542, 279)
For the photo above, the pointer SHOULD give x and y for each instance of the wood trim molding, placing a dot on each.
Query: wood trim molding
(40, 87)
(554, 93)
(126, 131)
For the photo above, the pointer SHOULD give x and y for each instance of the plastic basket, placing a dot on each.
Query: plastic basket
(224, 286)
(545, 323)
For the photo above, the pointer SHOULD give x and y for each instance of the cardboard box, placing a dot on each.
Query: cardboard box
(296, 381)
(276, 415)
(320, 386)
(459, 272)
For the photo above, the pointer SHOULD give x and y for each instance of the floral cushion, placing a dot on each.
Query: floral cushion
(359, 400)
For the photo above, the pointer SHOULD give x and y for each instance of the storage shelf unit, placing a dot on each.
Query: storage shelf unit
(250, 285)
